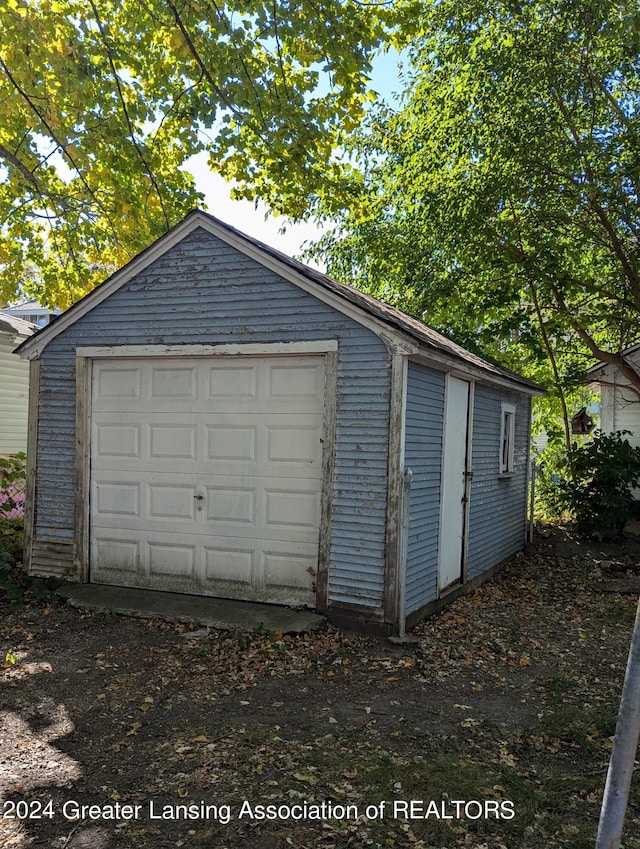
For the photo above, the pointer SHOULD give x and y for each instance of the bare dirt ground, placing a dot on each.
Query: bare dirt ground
(497, 723)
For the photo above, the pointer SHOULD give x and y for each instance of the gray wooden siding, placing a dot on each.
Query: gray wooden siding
(497, 513)
(204, 292)
(14, 395)
(423, 454)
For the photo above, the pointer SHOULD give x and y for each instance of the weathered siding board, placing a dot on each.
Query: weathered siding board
(423, 450)
(52, 560)
(230, 298)
(55, 454)
(497, 513)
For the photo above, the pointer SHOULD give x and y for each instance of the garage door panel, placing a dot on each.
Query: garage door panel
(172, 501)
(282, 572)
(292, 573)
(232, 382)
(173, 383)
(294, 444)
(298, 383)
(226, 442)
(124, 382)
(291, 510)
(172, 559)
(231, 504)
(206, 476)
(117, 440)
(230, 564)
(117, 498)
(172, 441)
(117, 556)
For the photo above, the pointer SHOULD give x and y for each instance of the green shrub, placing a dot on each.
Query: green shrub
(12, 538)
(594, 483)
(549, 505)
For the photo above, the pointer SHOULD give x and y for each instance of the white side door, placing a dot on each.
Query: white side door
(453, 501)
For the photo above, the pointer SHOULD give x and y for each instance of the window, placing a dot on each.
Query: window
(507, 437)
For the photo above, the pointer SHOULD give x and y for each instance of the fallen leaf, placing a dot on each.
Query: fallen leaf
(308, 778)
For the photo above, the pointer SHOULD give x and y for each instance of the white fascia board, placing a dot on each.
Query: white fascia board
(391, 337)
(38, 343)
(320, 346)
(468, 371)
(166, 243)
(395, 339)
(255, 252)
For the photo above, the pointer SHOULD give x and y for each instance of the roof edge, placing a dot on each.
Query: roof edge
(339, 295)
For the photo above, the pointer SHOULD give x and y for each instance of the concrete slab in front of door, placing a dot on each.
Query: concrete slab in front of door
(222, 613)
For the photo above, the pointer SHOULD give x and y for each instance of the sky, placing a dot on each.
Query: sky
(243, 214)
(252, 220)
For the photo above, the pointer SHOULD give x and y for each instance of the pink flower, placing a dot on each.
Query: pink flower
(13, 496)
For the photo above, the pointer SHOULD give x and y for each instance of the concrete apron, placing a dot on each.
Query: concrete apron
(222, 613)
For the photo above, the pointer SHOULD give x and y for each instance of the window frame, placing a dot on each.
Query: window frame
(507, 439)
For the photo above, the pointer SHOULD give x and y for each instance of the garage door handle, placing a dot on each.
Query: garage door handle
(199, 497)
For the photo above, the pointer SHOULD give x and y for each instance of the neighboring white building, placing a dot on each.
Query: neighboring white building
(620, 403)
(14, 384)
(32, 312)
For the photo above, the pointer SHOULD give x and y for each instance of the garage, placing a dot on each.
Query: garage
(206, 475)
(218, 419)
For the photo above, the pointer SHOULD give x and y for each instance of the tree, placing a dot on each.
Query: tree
(103, 101)
(501, 201)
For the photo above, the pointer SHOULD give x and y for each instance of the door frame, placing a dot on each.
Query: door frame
(464, 513)
(84, 361)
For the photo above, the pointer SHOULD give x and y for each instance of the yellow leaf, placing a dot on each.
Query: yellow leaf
(306, 777)
(10, 659)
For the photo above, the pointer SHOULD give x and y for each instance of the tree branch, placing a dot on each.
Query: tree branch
(51, 132)
(599, 353)
(615, 244)
(543, 332)
(201, 64)
(6, 154)
(125, 111)
(222, 17)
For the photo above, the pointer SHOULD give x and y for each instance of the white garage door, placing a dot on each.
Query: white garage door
(206, 475)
